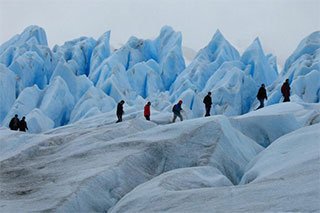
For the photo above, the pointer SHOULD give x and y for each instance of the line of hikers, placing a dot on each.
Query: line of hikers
(177, 108)
(262, 93)
(16, 124)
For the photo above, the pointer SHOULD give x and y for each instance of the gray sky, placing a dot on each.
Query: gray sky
(280, 24)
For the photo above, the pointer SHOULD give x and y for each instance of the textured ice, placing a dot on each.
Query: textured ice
(260, 68)
(57, 102)
(32, 33)
(136, 165)
(7, 90)
(38, 121)
(162, 58)
(304, 63)
(147, 70)
(93, 99)
(77, 85)
(25, 103)
(101, 51)
(207, 61)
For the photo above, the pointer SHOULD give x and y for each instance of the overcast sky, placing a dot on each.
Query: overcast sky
(280, 24)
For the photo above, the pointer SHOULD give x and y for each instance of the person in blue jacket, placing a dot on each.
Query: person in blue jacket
(177, 111)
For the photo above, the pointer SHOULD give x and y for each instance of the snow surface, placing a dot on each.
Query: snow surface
(200, 165)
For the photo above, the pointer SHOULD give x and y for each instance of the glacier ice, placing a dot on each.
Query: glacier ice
(149, 70)
(260, 68)
(7, 90)
(304, 60)
(57, 102)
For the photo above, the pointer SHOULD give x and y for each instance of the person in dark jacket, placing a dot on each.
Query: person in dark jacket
(23, 124)
(262, 94)
(146, 112)
(177, 111)
(207, 103)
(14, 123)
(285, 90)
(120, 111)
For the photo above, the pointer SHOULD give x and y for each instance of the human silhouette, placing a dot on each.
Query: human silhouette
(262, 94)
(23, 124)
(120, 111)
(147, 111)
(285, 90)
(177, 111)
(14, 123)
(207, 103)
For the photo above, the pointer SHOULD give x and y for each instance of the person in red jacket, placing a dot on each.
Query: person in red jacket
(147, 111)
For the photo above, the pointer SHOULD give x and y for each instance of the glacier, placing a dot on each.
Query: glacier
(219, 162)
(75, 158)
(144, 70)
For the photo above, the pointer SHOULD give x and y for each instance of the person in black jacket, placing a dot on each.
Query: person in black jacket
(262, 94)
(23, 124)
(120, 111)
(14, 123)
(285, 90)
(207, 102)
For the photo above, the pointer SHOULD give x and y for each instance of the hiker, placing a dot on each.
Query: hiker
(285, 90)
(207, 103)
(176, 111)
(262, 94)
(23, 124)
(147, 111)
(120, 111)
(14, 123)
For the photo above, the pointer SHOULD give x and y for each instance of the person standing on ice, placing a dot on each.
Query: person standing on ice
(147, 111)
(120, 111)
(177, 111)
(262, 94)
(285, 90)
(207, 102)
(23, 124)
(14, 123)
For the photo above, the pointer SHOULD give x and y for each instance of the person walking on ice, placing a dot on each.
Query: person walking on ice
(285, 90)
(177, 111)
(207, 103)
(120, 111)
(23, 125)
(262, 94)
(146, 112)
(14, 123)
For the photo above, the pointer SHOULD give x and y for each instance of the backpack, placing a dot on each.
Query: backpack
(176, 108)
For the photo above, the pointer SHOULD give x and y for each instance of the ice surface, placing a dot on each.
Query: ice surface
(149, 70)
(260, 69)
(101, 51)
(137, 165)
(93, 99)
(57, 102)
(34, 33)
(38, 121)
(228, 163)
(77, 54)
(25, 103)
(8, 90)
(299, 149)
(303, 63)
(207, 61)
